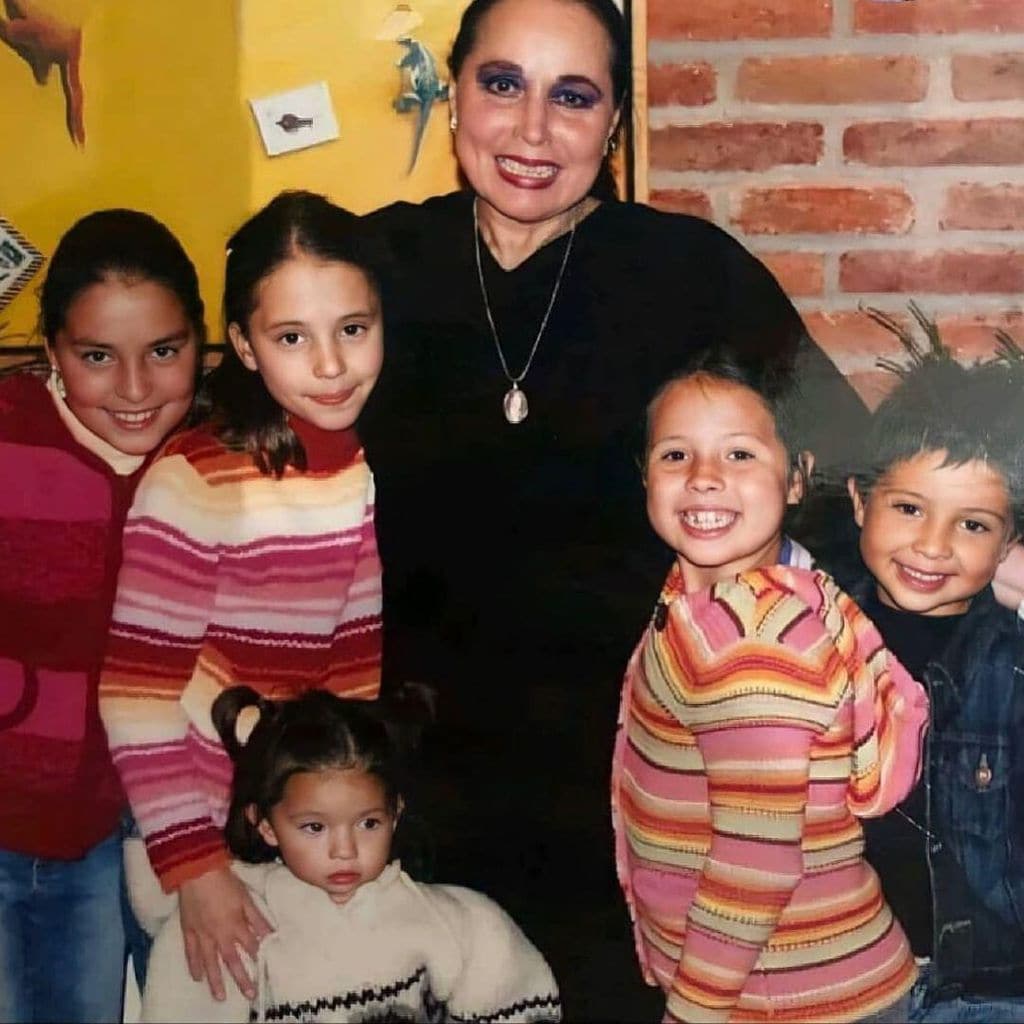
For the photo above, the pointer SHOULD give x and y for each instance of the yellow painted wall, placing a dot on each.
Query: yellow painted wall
(165, 132)
(286, 45)
(169, 129)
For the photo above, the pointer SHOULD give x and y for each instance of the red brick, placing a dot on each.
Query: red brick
(685, 85)
(740, 146)
(950, 272)
(822, 208)
(799, 273)
(854, 342)
(995, 140)
(940, 16)
(985, 207)
(840, 79)
(682, 200)
(973, 337)
(738, 19)
(988, 76)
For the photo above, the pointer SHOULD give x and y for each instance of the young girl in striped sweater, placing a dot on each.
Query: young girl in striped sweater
(249, 555)
(761, 716)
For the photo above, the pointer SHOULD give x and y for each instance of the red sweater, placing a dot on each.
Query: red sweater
(62, 510)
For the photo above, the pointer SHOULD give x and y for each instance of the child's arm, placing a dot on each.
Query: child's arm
(164, 602)
(890, 714)
(757, 790)
(503, 976)
(165, 594)
(746, 668)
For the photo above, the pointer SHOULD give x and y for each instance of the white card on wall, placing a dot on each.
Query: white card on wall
(295, 119)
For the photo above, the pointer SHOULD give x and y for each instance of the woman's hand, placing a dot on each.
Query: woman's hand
(217, 917)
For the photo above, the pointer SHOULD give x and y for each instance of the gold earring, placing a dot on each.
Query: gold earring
(58, 381)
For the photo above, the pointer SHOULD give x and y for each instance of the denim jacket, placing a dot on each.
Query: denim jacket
(974, 765)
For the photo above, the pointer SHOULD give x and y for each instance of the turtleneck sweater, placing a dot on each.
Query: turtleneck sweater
(62, 507)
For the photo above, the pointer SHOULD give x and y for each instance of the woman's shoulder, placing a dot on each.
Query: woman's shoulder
(435, 213)
(645, 221)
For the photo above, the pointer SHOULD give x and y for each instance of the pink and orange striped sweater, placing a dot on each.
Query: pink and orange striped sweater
(760, 718)
(232, 577)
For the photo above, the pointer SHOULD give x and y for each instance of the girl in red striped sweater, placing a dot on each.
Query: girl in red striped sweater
(122, 322)
(761, 715)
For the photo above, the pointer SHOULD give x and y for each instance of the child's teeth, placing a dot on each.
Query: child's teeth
(924, 577)
(133, 417)
(708, 520)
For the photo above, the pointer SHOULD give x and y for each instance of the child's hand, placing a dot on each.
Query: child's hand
(1009, 582)
(217, 917)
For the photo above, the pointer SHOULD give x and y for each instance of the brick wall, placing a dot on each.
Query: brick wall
(868, 151)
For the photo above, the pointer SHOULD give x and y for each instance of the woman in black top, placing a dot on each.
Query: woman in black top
(529, 323)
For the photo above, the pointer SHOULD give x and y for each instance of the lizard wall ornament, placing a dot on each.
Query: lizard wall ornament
(422, 88)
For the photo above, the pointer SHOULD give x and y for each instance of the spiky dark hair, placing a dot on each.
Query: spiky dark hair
(970, 412)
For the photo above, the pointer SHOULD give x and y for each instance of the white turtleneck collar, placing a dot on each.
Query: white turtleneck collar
(121, 463)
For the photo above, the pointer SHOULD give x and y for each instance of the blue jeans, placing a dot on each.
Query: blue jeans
(894, 1013)
(62, 937)
(962, 1009)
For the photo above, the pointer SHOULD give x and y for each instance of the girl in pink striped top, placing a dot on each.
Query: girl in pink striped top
(250, 555)
(761, 716)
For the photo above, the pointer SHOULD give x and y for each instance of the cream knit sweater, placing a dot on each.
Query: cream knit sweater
(398, 950)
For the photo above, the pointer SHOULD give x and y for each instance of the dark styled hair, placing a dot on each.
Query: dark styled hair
(620, 65)
(773, 381)
(295, 223)
(971, 412)
(117, 243)
(313, 732)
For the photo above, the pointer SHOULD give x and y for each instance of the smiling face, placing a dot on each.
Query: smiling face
(932, 535)
(316, 338)
(333, 829)
(718, 479)
(127, 354)
(535, 108)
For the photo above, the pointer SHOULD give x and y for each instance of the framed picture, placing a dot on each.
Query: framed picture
(19, 260)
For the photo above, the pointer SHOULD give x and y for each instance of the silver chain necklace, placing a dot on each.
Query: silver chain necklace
(514, 403)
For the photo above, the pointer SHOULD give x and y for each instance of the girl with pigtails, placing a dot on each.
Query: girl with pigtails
(315, 806)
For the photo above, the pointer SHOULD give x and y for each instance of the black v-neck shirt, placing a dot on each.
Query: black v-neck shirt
(531, 540)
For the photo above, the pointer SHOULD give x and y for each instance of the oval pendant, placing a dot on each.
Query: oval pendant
(516, 406)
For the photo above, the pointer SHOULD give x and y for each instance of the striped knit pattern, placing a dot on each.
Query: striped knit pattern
(759, 718)
(231, 577)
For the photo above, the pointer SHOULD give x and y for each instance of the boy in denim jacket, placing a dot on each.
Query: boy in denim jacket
(938, 501)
